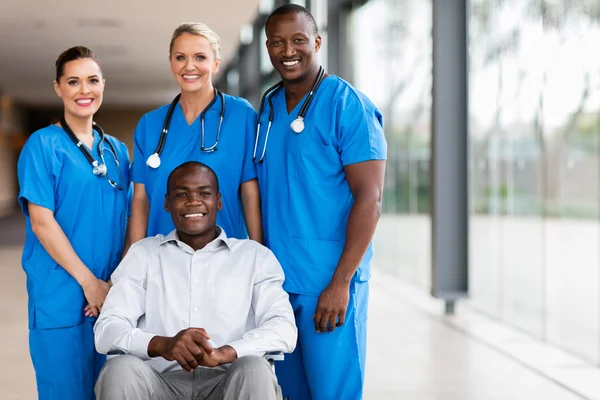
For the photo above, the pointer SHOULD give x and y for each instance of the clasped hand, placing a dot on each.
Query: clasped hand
(190, 348)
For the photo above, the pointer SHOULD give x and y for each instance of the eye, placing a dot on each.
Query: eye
(200, 58)
(180, 58)
(72, 83)
(181, 194)
(204, 193)
(298, 40)
(94, 81)
(276, 42)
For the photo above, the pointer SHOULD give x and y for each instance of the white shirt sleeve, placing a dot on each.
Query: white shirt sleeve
(116, 328)
(274, 318)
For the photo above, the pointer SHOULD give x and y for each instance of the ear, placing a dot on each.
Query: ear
(57, 88)
(318, 40)
(217, 63)
(167, 206)
(219, 202)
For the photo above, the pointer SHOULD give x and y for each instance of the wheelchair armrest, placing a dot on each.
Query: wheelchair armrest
(275, 356)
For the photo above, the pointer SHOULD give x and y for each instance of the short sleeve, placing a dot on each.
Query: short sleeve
(361, 136)
(35, 174)
(138, 167)
(249, 167)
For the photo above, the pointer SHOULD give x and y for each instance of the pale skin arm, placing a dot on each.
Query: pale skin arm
(251, 203)
(366, 184)
(137, 226)
(54, 240)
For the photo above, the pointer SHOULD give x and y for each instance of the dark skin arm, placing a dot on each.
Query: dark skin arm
(250, 195)
(366, 184)
(190, 348)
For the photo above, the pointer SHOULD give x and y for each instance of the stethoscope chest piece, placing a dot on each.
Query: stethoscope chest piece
(99, 169)
(297, 125)
(153, 161)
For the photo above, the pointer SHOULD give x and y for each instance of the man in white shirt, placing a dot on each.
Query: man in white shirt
(194, 312)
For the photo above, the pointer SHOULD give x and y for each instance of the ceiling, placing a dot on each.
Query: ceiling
(130, 37)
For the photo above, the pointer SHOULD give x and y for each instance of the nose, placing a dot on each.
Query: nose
(189, 65)
(85, 88)
(289, 49)
(193, 199)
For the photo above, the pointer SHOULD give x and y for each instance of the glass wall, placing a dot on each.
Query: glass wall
(534, 131)
(392, 49)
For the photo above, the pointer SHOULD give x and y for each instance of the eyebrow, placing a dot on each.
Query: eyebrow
(76, 77)
(196, 54)
(183, 187)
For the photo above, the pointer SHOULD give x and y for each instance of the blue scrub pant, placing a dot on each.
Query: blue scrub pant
(65, 361)
(327, 366)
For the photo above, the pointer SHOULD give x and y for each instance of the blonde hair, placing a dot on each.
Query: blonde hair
(199, 29)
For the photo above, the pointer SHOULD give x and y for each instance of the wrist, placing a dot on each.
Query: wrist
(156, 346)
(227, 354)
(85, 278)
(340, 279)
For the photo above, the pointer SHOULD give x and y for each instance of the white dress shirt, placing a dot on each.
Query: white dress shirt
(232, 288)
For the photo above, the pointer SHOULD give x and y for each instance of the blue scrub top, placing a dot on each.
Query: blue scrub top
(232, 162)
(305, 196)
(54, 173)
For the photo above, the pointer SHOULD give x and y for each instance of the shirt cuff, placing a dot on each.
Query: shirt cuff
(244, 347)
(139, 344)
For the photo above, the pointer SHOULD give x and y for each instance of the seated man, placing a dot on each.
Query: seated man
(194, 300)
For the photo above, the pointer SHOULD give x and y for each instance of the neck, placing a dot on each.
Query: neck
(79, 126)
(200, 241)
(295, 90)
(193, 103)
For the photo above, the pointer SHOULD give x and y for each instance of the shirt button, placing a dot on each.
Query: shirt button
(196, 309)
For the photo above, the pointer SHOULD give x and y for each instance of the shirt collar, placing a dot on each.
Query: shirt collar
(220, 240)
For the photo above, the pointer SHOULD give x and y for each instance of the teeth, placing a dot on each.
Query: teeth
(83, 101)
(290, 63)
(194, 215)
(191, 76)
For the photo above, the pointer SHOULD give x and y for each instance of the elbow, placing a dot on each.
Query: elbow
(39, 226)
(100, 346)
(291, 338)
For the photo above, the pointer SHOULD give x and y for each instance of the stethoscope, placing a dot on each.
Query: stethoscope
(154, 160)
(297, 125)
(98, 169)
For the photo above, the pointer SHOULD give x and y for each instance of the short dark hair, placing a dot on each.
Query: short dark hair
(72, 54)
(197, 164)
(296, 9)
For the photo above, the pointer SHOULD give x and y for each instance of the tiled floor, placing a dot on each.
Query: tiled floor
(412, 355)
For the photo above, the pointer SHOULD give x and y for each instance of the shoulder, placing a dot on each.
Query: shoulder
(148, 243)
(248, 246)
(45, 137)
(158, 114)
(44, 134)
(345, 94)
(120, 146)
(237, 103)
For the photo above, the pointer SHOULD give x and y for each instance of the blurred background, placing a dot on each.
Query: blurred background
(527, 322)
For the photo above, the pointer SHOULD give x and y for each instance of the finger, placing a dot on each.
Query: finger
(189, 358)
(323, 322)
(317, 318)
(202, 331)
(201, 341)
(341, 318)
(332, 323)
(195, 350)
(183, 362)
